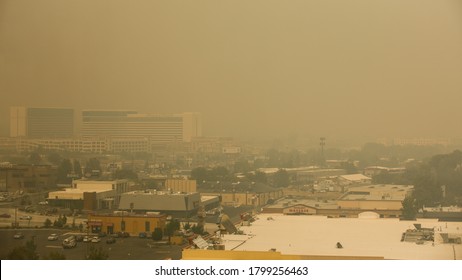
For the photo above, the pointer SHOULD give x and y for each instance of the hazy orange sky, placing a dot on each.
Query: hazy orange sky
(254, 69)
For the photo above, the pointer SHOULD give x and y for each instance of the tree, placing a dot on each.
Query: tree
(171, 227)
(97, 254)
(64, 169)
(92, 165)
(54, 158)
(77, 168)
(199, 174)
(197, 229)
(281, 178)
(157, 234)
(47, 223)
(409, 208)
(125, 174)
(25, 252)
(35, 158)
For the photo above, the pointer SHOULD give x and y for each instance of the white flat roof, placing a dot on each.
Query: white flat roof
(318, 235)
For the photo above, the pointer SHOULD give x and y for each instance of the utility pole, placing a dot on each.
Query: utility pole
(322, 143)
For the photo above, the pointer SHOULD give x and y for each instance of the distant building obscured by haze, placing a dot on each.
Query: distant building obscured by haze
(159, 128)
(41, 122)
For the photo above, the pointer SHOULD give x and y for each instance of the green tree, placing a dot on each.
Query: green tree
(97, 254)
(171, 227)
(47, 223)
(197, 229)
(157, 234)
(409, 208)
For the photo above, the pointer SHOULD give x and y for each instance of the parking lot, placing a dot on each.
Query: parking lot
(123, 249)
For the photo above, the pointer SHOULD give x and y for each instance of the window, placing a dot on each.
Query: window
(147, 226)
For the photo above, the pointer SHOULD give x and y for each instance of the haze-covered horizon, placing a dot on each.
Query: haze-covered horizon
(254, 69)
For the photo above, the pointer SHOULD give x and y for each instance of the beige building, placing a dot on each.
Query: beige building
(90, 195)
(179, 185)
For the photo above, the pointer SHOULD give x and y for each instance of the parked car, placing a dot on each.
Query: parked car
(101, 234)
(86, 238)
(123, 234)
(25, 218)
(96, 239)
(5, 215)
(110, 240)
(53, 237)
(79, 238)
(142, 235)
(18, 235)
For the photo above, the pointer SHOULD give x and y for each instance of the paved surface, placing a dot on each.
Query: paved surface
(124, 248)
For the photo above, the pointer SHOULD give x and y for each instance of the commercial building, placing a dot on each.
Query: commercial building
(41, 122)
(244, 193)
(386, 200)
(383, 201)
(176, 204)
(277, 236)
(179, 185)
(26, 177)
(122, 221)
(90, 195)
(160, 129)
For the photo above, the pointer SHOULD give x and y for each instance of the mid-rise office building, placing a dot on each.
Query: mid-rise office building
(158, 128)
(41, 122)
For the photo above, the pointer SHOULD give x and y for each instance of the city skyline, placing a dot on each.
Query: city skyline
(355, 70)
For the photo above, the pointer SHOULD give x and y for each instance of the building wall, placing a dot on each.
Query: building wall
(177, 185)
(250, 198)
(50, 122)
(126, 223)
(371, 204)
(27, 177)
(258, 255)
(18, 125)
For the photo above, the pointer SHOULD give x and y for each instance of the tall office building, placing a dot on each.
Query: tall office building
(41, 122)
(158, 128)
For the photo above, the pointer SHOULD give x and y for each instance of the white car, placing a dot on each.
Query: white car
(52, 237)
(95, 239)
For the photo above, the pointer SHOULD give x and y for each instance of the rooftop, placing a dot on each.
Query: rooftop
(318, 235)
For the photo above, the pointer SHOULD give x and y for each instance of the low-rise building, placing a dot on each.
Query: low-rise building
(122, 221)
(26, 177)
(177, 204)
(90, 195)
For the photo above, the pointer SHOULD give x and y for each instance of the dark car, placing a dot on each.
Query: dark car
(110, 240)
(123, 234)
(142, 235)
(79, 238)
